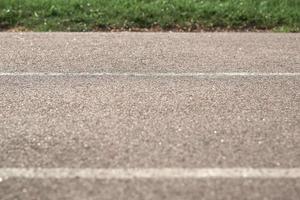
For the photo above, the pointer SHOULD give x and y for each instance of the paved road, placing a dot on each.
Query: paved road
(165, 100)
(150, 52)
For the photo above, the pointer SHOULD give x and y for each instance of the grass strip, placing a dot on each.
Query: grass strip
(186, 15)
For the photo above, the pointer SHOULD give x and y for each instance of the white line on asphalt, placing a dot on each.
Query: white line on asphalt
(149, 173)
(150, 74)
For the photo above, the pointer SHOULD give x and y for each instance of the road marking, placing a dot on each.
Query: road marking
(149, 173)
(150, 74)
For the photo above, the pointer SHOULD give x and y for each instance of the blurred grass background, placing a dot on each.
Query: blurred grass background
(184, 15)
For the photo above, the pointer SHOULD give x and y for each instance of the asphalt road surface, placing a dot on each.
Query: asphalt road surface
(149, 116)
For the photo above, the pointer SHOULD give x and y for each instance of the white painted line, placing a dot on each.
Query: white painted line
(149, 173)
(150, 74)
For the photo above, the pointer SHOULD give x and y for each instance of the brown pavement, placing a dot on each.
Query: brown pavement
(146, 112)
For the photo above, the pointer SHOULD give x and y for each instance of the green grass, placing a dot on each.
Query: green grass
(188, 15)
